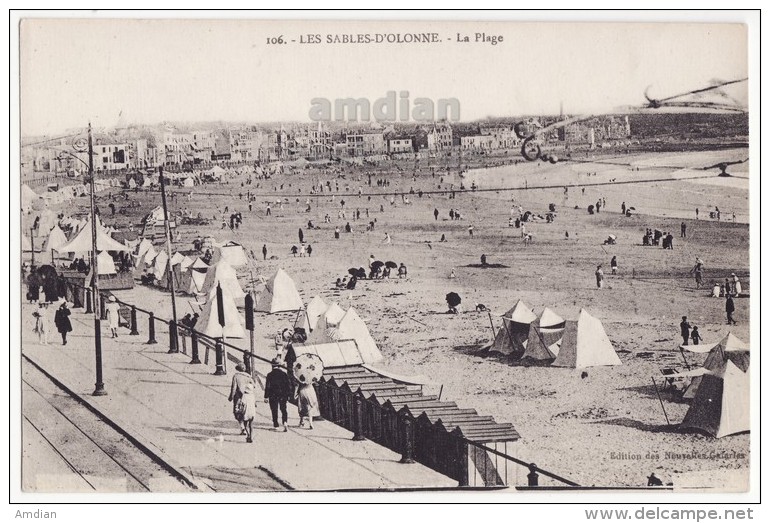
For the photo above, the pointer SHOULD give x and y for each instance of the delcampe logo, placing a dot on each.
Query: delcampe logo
(389, 108)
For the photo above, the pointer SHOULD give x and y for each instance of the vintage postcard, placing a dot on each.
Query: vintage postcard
(493, 258)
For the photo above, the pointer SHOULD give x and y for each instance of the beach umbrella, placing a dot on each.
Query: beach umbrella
(353, 271)
(377, 264)
(391, 265)
(308, 368)
(453, 299)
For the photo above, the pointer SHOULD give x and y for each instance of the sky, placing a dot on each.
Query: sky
(150, 71)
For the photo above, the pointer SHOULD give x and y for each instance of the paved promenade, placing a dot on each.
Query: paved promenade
(180, 411)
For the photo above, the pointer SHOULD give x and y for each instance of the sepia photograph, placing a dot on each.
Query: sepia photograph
(509, 259)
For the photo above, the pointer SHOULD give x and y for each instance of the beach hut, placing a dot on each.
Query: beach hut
(729, 348)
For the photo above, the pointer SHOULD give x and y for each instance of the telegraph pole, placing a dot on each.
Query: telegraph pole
(173, 327)
(99, 389)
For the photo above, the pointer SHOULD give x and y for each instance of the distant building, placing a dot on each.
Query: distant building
(400, 145)
(439, 137)
(365, 143)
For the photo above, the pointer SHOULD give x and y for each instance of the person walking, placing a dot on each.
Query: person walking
(435, 214)
(42, 323)
(614, 264)
(33, 287)
(599, 276)
(277, 392)
(337, 233)
(248, 408)
(307, 404)
(684, 329)
(62, 321)
(470, 230)
(237, 388)
(264, 251)
(683, 229)
(695, 336)
(730, 309)
(113, 315)
(309, 250)
(290, 356)
(301, 236)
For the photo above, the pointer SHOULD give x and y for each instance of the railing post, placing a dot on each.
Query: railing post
(194, 342)
(173, 340)
(532, 477)
(220, 359)
(134, 326)
(407, 440)
(89, 302)
(358, 416)
(151, 340)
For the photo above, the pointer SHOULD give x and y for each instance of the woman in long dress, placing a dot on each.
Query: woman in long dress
(736, 285)
(307, 403)
(42, 323)
(113, 316)
(249, 401)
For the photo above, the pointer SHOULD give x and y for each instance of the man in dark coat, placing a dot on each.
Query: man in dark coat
(62, 321)
(684, 327)
(729, 309)
(277, 391)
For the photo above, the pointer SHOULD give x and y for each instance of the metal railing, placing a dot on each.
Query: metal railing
(417, 439)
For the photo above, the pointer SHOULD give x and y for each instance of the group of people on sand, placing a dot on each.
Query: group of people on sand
(654, 237)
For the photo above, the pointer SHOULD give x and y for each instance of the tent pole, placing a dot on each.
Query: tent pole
(661, 401)
(681, 350)
(491, 324)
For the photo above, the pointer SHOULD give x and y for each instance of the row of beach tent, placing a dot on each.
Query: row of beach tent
(549, 337)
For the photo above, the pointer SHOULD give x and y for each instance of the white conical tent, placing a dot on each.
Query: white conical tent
(513, 334)
(145, 263)
(352, 327)
(179, 269)
(721, 405)
(280, 295)
(194, 277)
(545, 334)
(313, 312)
(105, 263)
(159, 265)
(222, 273)
(144, 246)
(28, 196)
(46, 221)
(585, 344)
(82, 241)
(188, 182)
(208, 321)
(232, 253)
(729, 348)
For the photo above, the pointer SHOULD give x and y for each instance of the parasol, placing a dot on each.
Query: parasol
(391, 265)
(453, 299)
(376, 265)
(308, 368)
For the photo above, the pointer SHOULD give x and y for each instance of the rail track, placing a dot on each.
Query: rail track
(69, 447)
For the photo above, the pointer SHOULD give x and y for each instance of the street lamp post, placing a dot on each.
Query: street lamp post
(99, 387)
